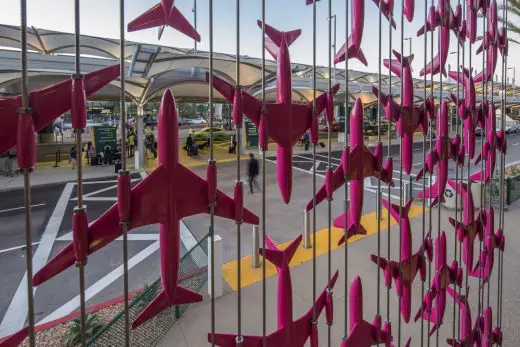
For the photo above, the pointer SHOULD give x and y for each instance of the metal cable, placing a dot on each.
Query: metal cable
(239, 182)
(79, 172)
(430, 178)
(424, 165)
(195, 23)
(401, 179)
(345, 174)
(378, 196)
(329, 156)
(124, 172)
(211, 162)
(314, 313)
(26, 176)
(389, 157)
(264, 212)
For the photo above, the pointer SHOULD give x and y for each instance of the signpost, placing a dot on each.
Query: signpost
(251, 133)
(103, 136)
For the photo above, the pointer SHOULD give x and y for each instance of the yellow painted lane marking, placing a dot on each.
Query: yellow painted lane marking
(251, 275)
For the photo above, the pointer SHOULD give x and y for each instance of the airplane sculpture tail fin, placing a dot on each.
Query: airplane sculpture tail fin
(280, 258)
(353, 228)
(432, 193)
(162, 302)
(278, 36)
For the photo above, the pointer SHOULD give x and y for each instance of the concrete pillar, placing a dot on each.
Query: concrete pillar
(140, 137)
(216, 247)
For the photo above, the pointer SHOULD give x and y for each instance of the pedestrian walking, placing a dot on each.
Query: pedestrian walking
(252, 171)
(73, 156)
(189, 145)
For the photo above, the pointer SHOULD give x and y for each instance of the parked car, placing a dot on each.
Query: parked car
(512, 128)
(334, 128)
(197, 121)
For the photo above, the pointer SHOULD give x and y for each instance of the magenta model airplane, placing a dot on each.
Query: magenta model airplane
(445, 149)
(410, 264)
(407, 116)
(161, 15)
(357, 162)
(356, 35)
(490, 336)
(170, 193)
(387, 9)
(469, 334)
(494, 140)
(467, 109)
(433, 311)
(361, 332)
(284, 121)
(49, 103)
(492, 240)
(470, 227)
(289, 332)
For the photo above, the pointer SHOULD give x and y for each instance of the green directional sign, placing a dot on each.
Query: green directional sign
(251, 133)
(104, 136)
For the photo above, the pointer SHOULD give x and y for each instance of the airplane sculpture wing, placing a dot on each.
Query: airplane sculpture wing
(48, 103)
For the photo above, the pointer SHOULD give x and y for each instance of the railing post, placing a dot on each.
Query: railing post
(307, 243)
(217, 248)
(255, 257)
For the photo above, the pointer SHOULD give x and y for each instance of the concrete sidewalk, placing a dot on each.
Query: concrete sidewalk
(192, 329)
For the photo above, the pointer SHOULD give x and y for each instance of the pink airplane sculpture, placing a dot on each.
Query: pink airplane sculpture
(362, 333)
(494, 140)
(471, 20)
(161, 15)
(490, 336)
(444, 277)
(15, 339)
(470, 227)
(467, 108)
(408, 117)
(469, 334)
(356, 35)
(445, 148)
(169, 193)
(492, 241)
(387, 9)
(48, 104)
(357, 162)
(490, 43)
(289, 333)
(410, 264)
(443, 17)
(284, 121)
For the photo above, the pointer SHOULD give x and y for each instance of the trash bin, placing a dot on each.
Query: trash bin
(450, 194)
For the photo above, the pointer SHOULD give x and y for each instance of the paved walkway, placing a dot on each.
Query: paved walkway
(194, 325)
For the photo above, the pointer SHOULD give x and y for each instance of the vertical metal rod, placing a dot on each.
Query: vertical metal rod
(195, 23)
(389, 195)
(430, 212)
(314, 313)
(238, 129)
(264, 206)
(79, 161)
(211, 162)
(454, 322)
(401, 178)
(329, 167)
(346, 176)
(424, 165)
(27, 178)
(122, 127)
(468, 170)
(378, 196)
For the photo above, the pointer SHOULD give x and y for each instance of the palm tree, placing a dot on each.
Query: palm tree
(73, 336)
(513, 19)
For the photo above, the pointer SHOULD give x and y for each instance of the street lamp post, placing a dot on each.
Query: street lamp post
(513, 84)
(334, 45)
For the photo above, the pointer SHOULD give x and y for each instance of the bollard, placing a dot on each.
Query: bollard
(217, 248)
(307, 243)
(255, 257)
(406, 191)
(56, 159)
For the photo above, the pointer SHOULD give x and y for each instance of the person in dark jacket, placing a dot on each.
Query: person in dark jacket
(189, 145)
(252, 171)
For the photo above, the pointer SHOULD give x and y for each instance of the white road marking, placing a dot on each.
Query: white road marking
(20, 208)
(16, 314)
(516, 144)
(16, 247)
(131, 237)
(101, 284)
(90, 197)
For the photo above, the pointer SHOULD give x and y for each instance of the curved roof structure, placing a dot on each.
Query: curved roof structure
(152, 68)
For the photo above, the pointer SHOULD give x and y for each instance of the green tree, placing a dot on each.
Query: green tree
(513, 20)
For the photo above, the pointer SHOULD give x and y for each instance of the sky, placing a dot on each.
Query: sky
(101, 18)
